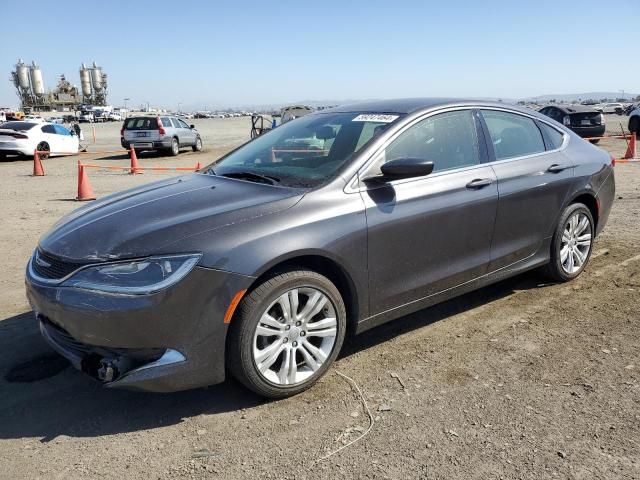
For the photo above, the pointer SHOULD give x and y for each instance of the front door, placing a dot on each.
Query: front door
(428, 234)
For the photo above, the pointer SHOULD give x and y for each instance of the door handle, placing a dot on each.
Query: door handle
(479, 183)
(555, 168)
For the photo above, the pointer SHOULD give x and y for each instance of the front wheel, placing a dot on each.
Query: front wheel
(571, 243)
(198, 145)
(286, 333)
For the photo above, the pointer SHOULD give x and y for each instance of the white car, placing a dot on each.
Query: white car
(610, 108)
(24, 137)
(34, 118)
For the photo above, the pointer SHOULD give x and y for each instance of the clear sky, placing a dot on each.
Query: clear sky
(217, 54)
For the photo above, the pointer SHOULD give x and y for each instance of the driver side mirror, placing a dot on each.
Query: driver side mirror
(192, 127)
(399, 168)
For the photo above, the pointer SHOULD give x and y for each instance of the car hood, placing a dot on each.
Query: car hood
(152, 219)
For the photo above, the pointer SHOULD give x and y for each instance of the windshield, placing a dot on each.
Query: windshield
(305, 152)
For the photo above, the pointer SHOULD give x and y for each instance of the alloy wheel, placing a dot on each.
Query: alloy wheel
(294, 336)
(576, 243)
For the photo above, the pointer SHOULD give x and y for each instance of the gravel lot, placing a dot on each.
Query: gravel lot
(520, 380)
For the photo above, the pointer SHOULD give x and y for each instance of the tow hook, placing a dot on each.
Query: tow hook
(107, 371)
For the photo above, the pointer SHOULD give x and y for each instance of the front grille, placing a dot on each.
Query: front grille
(53, 268)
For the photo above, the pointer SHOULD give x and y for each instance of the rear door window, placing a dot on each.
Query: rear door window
(166, 121)
(48, 129)
(60, 130)
(176, 123)
(141, 123)
(513, 135)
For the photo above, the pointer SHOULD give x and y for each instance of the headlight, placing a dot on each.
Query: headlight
(134, 277)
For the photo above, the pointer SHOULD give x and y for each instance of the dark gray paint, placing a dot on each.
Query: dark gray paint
(402, 246)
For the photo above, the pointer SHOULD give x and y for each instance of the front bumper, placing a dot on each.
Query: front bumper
(167, 341)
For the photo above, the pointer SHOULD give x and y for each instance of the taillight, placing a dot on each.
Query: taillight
(162, 130)
(601, 116)
(566, 120)
(18, 135)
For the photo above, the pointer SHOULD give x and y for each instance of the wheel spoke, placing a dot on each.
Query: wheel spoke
(322, 328)
(313, 306)
(583, 225)
(268, 332)
(283, 373)
(570, 263)
(563, 254)
(584, 240)
(286, 307)
(318, 354)
(294, 302)
(566, 237)
(309, 360)
(271, 322)
(267, 356)
(580, 257)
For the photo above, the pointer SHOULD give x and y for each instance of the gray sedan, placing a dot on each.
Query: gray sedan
(336, 222)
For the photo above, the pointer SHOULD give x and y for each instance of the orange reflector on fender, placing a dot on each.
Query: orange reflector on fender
(232, 306)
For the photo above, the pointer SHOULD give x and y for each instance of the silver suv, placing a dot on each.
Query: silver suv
(159, 133)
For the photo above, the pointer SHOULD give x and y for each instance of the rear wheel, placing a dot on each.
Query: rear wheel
(43, 150)
(175, 147)
(286, 333)
(634, 125)
(571, 244)
(198, 145)
(595, 141)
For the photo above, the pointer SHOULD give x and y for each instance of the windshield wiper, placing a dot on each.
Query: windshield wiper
(253, 177)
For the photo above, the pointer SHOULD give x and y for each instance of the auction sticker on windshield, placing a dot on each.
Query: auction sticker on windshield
(372, 117)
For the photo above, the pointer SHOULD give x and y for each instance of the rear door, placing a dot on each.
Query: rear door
(432, 233)
(534, 179)
(69, 143)
(56, 145)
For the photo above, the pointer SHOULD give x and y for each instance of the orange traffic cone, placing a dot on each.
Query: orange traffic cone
(198, 166)
(631, 147)
(135, 168)
(38, 169)
(85, 192)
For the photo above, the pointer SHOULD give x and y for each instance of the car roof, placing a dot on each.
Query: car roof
(573, 108)
(411, 105)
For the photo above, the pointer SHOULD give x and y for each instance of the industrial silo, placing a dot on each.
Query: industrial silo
(96, 77)
(37, 85)
(22, 76)
(85, 81)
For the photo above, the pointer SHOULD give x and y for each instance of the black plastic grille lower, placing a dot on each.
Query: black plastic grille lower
(53, 268)
(64, 339)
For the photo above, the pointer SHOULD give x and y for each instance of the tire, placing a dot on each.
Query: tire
(565, 236)
(198, 145)
(311, 345)
(43, 146)
(634, 125)
(595, 142)
(174, 149)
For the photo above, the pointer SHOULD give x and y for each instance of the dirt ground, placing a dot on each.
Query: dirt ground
(520, 380)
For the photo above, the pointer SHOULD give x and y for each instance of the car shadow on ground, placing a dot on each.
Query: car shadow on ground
(41, 396)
